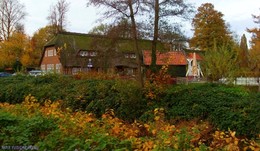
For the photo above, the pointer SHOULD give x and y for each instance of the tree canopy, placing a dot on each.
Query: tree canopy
(16, 48)
(209, 27)
(243, 54)
(219, 62)
(255, 46)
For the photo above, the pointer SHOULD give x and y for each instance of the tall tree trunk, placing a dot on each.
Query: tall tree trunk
(155, 37)
(138, 53)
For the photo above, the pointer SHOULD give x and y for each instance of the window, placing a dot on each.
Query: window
(130, 55)
(83, 53)
(75, 70)
(88, 53)
(93, 53)
(50, 53)
(127, 55)
(54, 52)
(58, 68)
(50, 67)
(130, 71)
(43, 67)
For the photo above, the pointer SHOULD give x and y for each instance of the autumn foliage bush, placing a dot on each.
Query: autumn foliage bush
(225, 107)
(49, 126)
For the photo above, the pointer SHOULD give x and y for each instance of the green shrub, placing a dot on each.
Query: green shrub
(23, 131)
(124, 97)
(227, 107)
(96, 96)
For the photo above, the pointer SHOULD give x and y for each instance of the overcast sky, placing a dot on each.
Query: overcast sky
(238, 13)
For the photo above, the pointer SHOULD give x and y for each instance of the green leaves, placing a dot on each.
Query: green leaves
(21, 130)
(220, 62)
(224, 106)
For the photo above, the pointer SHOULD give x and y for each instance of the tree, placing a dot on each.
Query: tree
(38, 40)
(124, 9)
(57, 16)
(101, 29)
(209, 27)
(255, 47)
(173, 36)
(219, 62)
(163, 9)
(243, 54)
(16, 48)
(11, 14)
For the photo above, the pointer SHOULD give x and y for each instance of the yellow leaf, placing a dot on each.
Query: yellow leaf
(252, 148)
(228, 140)
(153, 132)
(176, 146)
(156, 118)
(236, 142)
(167, 142)
(233, 134)
(197, 149)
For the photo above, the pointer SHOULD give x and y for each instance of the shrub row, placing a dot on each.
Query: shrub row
(227, 107)
(95, 96)
(34, 131)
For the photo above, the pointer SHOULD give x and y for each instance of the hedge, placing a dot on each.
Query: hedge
(226, 107)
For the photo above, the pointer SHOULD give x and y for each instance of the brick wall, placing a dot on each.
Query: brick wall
(51, 61)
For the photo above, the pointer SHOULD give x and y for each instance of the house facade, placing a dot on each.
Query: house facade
(176, 61)
(70, 53)
(51, 61)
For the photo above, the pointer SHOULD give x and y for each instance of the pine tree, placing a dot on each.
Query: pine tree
(243, 53)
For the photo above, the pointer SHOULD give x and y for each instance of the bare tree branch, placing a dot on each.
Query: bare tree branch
(11, 14)
(57, 16)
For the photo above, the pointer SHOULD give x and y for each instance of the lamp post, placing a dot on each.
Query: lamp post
(90, 65)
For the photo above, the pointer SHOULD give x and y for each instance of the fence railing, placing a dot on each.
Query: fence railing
(187, 80)
(247, 81)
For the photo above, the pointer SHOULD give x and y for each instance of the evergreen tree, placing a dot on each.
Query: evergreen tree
(243, 53)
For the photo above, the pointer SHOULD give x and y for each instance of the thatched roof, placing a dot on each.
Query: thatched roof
(70, 44)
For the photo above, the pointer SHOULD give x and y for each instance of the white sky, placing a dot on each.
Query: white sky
(238, 13)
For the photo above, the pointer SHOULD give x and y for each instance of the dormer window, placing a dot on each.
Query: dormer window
(133, 55)
(127, 55)
(130, 55)
(85, 53)
(92, 53)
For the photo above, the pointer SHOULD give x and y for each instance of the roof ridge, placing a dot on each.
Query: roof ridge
(80, 34)
(97, 35)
